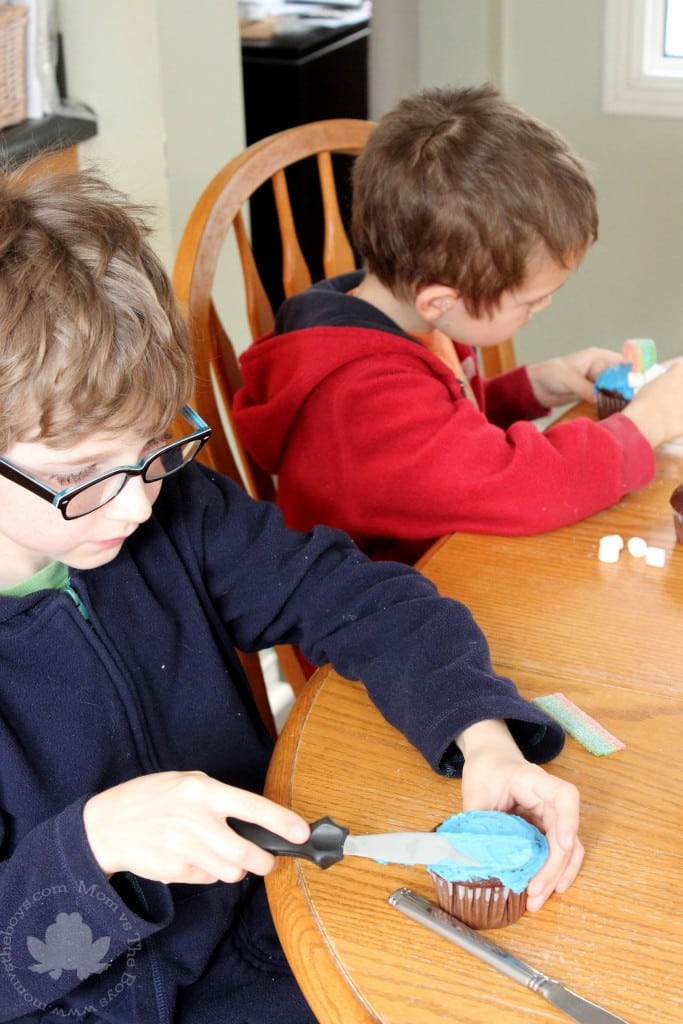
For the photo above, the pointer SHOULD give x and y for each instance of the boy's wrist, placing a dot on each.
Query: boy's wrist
(486, 736)
(650, 419)
(91, 824)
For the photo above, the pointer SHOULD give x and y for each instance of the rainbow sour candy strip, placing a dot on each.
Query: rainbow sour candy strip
(640, 353)
(584, 729)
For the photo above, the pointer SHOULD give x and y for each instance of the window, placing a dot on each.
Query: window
(673, 30)
(643, 57)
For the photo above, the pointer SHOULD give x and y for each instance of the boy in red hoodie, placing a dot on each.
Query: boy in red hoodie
(367, 400)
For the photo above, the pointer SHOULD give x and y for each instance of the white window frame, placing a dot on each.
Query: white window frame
(637, 79)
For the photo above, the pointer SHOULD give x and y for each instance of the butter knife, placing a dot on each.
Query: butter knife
(424, 912)
(329, 843)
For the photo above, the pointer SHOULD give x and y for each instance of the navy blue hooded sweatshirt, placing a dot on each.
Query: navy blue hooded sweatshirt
(151, 683)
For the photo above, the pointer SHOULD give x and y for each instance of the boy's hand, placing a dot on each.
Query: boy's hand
(570, 378)
(171, 827)
(497, 777)
(657, 409)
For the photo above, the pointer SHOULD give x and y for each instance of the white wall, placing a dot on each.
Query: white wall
(112, 62)
(630, 283)
(418, 43)
(547, 56)
(394, 67)
(164, 78)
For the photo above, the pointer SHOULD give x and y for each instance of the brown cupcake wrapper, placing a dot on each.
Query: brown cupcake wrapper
(609, 402)
(486, 904)
(678, 526)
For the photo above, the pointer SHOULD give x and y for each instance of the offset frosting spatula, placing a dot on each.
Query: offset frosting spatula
(424, 912)
(330, 842)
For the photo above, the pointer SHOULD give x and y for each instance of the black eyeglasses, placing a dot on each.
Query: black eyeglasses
(80, 500)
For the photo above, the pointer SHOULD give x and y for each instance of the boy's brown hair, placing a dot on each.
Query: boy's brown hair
(91, 337)
(459, 187)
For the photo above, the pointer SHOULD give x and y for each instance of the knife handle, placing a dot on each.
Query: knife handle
(324, 847)
(449, 927)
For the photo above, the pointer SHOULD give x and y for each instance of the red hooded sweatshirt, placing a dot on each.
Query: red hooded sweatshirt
(367, 430)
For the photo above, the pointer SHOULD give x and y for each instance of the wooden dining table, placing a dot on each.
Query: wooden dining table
(609, 637)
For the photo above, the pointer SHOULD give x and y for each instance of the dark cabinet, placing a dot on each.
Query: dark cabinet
(289, 80)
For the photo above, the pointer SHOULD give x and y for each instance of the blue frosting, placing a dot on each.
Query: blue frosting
(504, 846)
(615, 378)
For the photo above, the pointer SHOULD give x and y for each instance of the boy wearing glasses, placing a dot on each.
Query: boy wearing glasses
(128, 574)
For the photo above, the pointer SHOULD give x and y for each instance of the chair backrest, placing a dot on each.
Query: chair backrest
(220, 209)
(498, 358)
(254, 673)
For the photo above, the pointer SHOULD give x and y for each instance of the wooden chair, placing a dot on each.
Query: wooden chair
(252, 669)
(219, 211)
(498, 358)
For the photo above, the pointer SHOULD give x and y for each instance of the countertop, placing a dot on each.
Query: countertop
(70, 125)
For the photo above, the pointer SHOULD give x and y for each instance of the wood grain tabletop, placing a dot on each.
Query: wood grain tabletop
(610, 638)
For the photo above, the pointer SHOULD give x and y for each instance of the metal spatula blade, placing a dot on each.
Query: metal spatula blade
(330, 842)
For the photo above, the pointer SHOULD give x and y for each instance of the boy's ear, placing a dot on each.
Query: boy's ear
(435, 300)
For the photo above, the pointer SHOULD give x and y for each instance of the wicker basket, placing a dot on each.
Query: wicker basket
(12, 64)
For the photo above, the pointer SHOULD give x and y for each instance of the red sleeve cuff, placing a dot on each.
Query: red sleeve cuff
(510, 397)
(638, 467)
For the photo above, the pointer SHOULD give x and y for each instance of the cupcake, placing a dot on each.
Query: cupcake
(506, 852)
(616, 386)
(677, 506)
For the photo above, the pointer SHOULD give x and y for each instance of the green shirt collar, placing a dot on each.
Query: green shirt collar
(53, 576)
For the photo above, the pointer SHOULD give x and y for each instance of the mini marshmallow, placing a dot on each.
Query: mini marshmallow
(637, 547)
(655, 557)
(637, 379)
(610, 548)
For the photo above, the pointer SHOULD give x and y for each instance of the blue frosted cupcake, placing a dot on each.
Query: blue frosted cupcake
(616, 385)
(508, 852)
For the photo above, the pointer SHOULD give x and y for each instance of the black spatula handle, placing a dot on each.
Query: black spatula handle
(325, 846)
